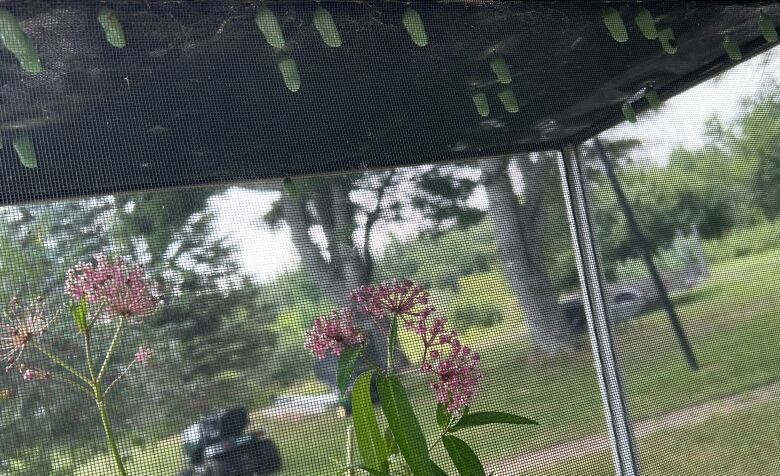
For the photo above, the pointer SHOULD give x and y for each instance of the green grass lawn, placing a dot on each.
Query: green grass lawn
(744, 443)
(733, 322)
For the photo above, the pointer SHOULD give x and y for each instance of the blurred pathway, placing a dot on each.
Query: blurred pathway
(692, 415)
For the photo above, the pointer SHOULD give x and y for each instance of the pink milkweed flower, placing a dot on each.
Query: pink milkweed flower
(403, 298)
(21, 325)
(332, 334)
(143, 354)
(458, 378)
(123, 290)
(36, 374)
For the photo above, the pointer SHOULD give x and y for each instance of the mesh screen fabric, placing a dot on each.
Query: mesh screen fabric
(245, 268)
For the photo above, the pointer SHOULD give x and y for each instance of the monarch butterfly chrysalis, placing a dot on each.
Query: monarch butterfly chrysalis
(17, 42)
(109, 21)
(508, 99)
(732, 48)
(628, 112)
(481, 103)
(25, 149)
(414, 26)
(326, 27)
(646, 23)
(269, 26)
(651, 95)
(767, 28)
(501, 70)
(614, 23)
(289, 70)
(667, 40)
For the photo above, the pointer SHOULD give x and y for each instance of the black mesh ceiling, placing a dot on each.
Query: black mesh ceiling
(196, 97)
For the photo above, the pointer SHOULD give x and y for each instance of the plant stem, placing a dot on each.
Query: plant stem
(110, 351)
(62, 364)
(101, 405)
(88, 352)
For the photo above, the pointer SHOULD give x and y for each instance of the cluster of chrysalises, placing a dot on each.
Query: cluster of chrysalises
(122, 290)
(453, 364)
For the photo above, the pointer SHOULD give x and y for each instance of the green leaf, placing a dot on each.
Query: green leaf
(732, 48)
(369, 440)
(323, 22)
(481, 103)
(614, 23)
(346, 366)
(368, 470)
(392, 446)
(767, 28)
(646, 23)
(501, 69)
(289, 70)
(628, 112)
(462, 456)
(392, 342)
(414, 26)
(269, 26)
(443, 416)
(437, 471)
(79, 313)
(486, 418)
(404, 424)
(25, 149)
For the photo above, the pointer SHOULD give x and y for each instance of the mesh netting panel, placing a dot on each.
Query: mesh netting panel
(219, 217)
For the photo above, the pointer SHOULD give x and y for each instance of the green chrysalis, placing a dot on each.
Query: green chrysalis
(325, 25)
(289, 70)
(732, 48)
(18, 43)
(291, 189)
(509, 100)
(414, 26)
(481, 102)
(269, 26)
(667, 40)
(614, 24)
(109, 21)
(628, 112)
(26, 151)
(500, 68)
(646, 23)
(651, 95)
(767, 28)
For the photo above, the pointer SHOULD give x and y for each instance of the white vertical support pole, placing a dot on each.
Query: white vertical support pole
(593, 298)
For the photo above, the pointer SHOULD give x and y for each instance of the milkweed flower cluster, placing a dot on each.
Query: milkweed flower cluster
(107, 290)
(123, 290)
(143, 354)
(332, 333)
(453, 364)
(22, 323)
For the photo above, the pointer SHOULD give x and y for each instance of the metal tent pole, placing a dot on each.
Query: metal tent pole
(604, 355)
(645, 251)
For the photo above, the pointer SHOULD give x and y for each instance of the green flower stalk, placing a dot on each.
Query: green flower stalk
(105, 292)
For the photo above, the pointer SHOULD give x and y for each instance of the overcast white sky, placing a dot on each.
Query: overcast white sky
(266, 252)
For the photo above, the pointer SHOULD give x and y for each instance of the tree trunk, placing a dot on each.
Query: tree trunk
(520, 237)
(344, 271)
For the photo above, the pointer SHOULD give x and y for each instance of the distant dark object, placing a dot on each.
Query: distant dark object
(217, 446)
